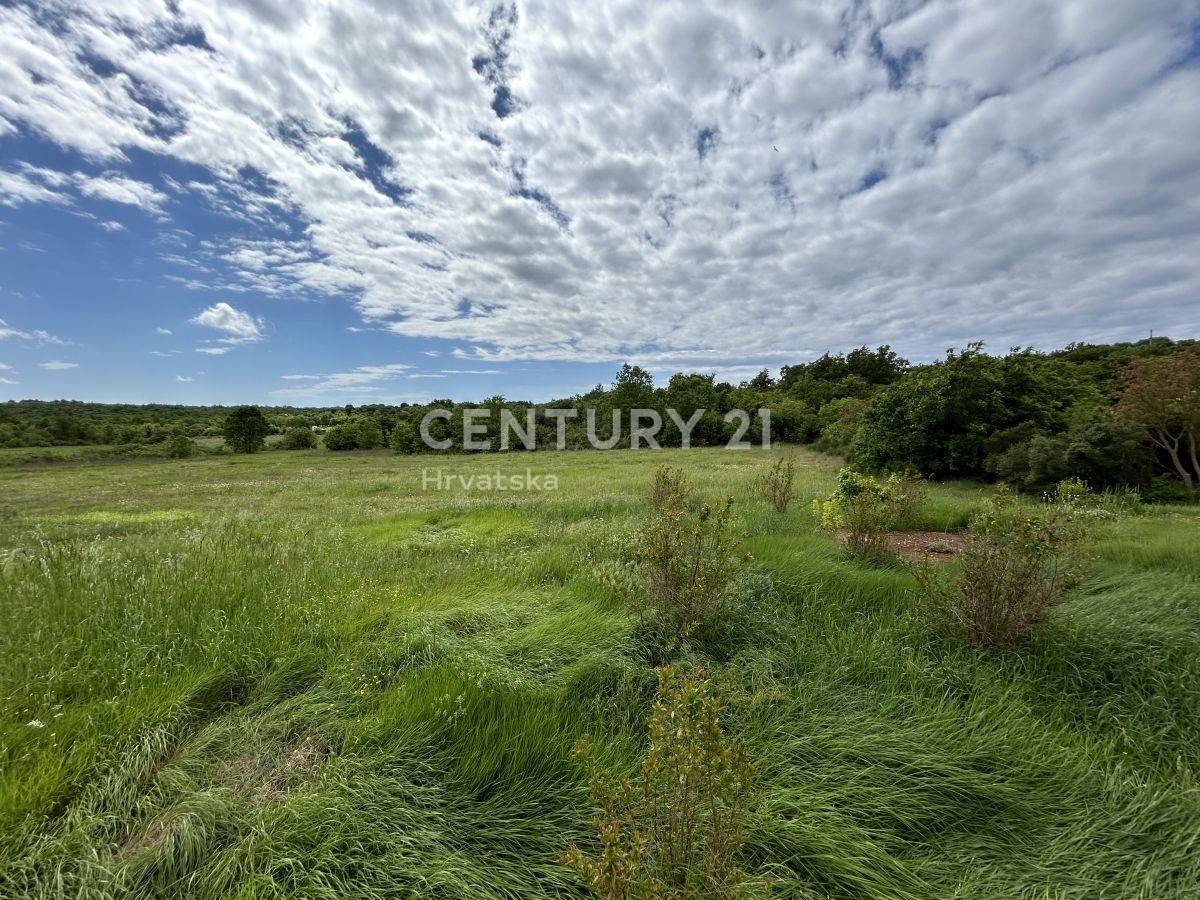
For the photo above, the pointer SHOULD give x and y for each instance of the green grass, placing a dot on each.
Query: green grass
(299, 674)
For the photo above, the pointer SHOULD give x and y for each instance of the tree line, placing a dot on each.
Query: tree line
(1113, 415)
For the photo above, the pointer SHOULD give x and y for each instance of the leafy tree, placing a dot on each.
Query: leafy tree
(940, 418)
(405, 438)
(370, 433)
(1162, 396)
(246, 429)
(633, 388)
(762, 381)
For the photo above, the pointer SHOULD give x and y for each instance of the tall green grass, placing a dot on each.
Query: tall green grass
(300, 675)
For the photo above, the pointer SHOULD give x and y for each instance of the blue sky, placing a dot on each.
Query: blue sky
(281, 202)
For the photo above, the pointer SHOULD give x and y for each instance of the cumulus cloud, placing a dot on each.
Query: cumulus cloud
(184, 378)
(238, 327)
(674, 181)
(57, 365)
(161, 330)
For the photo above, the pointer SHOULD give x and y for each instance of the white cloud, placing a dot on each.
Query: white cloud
(117, 189)
(721, 182)
(5, 367)
(363, 380)
(37, 336)
(184, 378)
(161, 330)
(18, 188)
(239, 327)
(57, 365)
(112, 226)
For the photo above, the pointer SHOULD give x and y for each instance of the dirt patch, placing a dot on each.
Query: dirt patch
(300, 762)
(922, 546)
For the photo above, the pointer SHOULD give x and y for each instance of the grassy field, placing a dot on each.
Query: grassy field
(301, 674)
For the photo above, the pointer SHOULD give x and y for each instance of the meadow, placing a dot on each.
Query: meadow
(299, 674)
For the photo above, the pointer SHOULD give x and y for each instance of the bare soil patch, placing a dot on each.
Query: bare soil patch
(922, 546)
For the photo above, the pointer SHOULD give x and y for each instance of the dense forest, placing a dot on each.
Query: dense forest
(1027, 417)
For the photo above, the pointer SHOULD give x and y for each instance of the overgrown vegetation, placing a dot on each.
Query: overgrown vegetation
(676, 829)
(777, 483)
(1107, 414)
(867, 508)
(298, 674)
(685, 562)
(1019, 562)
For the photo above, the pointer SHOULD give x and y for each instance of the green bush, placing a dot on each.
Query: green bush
(180, 446)
(246, 429)
(1019, 562)
(685, 562)
(369, 433)
(867, 508)
(777, 483)
(677, 828)
(298, 438)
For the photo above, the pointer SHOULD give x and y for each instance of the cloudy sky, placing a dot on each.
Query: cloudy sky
(279, 201)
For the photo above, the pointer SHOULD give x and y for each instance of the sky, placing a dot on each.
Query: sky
(303, 203)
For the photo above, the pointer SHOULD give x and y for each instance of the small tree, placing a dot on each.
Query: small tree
(777, 482)
(676, 829)
(1017, 565)
(1162, 396)
(245, 429)
(685, 560)
(298, 438)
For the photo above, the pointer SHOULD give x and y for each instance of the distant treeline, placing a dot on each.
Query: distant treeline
(1027, 417)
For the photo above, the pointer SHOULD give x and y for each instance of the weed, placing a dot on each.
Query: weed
(777, 483)
(685, 561)
(676, 830)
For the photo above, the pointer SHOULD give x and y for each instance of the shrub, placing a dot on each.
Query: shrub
(776, 484)
(369, 433)
(298, 438)
(685, 561)
(1018, 564)
(180, 446)
(341, 437)
(676, 829)
(867, 508)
